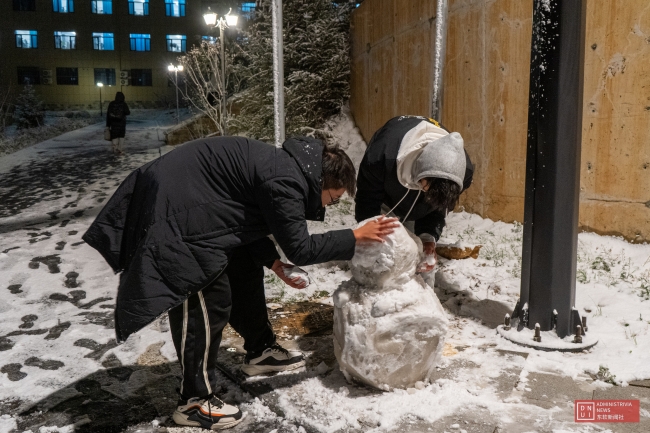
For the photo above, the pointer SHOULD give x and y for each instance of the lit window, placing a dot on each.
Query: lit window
(248, 7)
(103, 41)
(101, 6)
(29, 75)
(176, 43)
(67, 76)
(209, 39)
(105, 76)
(63, 6)
(138, 7)
(175, 8)
(26, 38)
(141, 77)
(140, 42)
(24, 5)
(65, 40)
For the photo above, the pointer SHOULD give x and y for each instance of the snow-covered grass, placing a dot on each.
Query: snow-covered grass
(13, 140)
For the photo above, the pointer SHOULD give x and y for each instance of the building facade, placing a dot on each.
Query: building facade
(66, 47)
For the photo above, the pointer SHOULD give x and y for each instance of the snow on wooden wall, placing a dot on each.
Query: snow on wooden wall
(486, 98)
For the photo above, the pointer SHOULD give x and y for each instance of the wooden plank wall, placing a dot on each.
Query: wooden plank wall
(486, 98)
(392, 57)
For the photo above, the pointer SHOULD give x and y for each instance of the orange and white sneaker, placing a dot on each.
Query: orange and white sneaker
(209, 413)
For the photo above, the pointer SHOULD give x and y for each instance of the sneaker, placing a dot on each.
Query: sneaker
(209, 413)
(274, 358)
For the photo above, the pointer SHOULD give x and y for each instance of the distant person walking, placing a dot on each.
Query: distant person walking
(116, 121)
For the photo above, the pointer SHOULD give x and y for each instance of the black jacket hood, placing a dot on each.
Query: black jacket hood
(119, 97)
(308, 153)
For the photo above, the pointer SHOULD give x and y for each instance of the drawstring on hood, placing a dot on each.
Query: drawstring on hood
(412, 206)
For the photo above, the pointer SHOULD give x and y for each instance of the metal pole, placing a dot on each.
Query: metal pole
(553, 167)
(278, 72)
(101, 111)
(222, 23)
(176, 78)
(440, 48)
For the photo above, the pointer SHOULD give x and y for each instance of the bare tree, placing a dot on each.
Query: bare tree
(204, 88)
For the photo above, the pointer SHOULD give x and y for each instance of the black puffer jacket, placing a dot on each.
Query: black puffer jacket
(172, 223)
(377, 182)
(116, 116)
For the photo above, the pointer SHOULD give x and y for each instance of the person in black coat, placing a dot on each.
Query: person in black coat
(116, 121)
(189, 234)
(415, 169)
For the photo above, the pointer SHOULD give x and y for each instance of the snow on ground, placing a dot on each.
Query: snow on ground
(57, 325)
(613, 296)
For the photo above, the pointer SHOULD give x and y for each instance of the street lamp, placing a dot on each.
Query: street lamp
(223, 22)
(100, 85)
(175, 69)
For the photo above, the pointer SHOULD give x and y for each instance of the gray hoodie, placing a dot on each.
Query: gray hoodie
(429, 151)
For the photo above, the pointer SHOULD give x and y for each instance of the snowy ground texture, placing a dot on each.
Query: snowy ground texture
(61, 370)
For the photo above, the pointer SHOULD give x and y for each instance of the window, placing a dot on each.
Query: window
(248, 7)
(209, 39)
(24, 5)
(140, 42)
(67, 76)
(176, 43)
(141, 77)
(138, 7)
(105, 76)
(26, 38)
(63, 6)
(175, 8)
(101, 6)
(29, 74)
(103, 41)
(65, 40)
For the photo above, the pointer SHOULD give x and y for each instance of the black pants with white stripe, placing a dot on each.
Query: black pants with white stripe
(237, 297)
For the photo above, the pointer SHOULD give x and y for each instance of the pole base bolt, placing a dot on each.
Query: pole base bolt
(538, 335)
(506, 323)
(578, 336)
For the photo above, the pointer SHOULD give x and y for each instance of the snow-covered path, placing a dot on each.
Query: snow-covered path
(57, 347)
(58, 293)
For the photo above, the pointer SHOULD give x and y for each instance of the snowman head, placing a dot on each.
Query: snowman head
(389, 263)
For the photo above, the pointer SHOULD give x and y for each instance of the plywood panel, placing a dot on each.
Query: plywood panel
(615, 176)
(413, 52)
(411, 13)
(395, 38)
(508, 26)
(381, 92)
(463, 107)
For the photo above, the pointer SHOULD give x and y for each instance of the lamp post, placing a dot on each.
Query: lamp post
(175, 69)
(101, 112)
(223, 22)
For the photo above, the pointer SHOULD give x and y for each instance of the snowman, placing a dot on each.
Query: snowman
(389, 326)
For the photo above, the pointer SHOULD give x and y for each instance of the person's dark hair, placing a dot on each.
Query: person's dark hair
(338, 170)
(442, 193)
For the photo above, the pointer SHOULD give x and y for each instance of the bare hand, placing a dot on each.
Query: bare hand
(430, 258)
(375, 229)
(295, 282)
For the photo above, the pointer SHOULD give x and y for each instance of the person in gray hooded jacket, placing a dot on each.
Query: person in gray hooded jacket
(415, 169)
